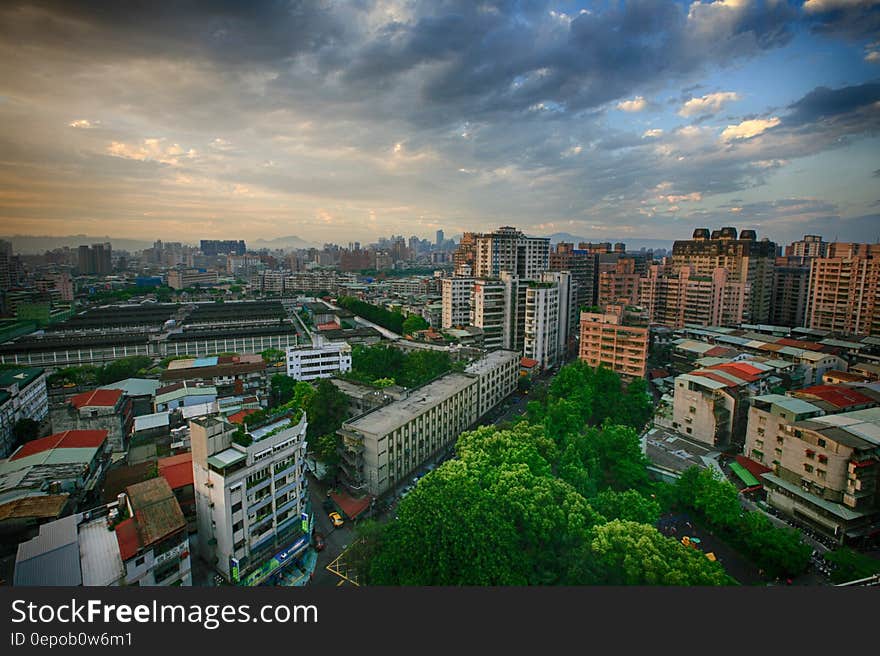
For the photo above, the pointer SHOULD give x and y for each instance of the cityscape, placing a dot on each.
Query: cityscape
(402, 294)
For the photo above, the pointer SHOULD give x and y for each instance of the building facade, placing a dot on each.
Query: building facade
(456, 298)
(844, 295)
(315, 362)
(508, 249)
(23, 395)
(487, 311)
(612, 340)
(251, 498)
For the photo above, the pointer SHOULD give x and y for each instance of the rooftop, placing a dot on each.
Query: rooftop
(177, 470)
(72, 439)
(384, 419)
(155, 509)
(21, 377)
(52, 557)
(787, 403)
(491, 361)
(103, 398)
(136, 386)
(837, 395)
(46, 506)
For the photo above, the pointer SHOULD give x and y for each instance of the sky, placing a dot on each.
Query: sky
(339, 121)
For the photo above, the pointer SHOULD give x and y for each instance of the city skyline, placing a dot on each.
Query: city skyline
(339, 122)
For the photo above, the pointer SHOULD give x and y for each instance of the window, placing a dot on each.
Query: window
(237, 526)
(820, 473)
(810, 454)
(823, 459)
(808, 468)
(139, 561)
(236, 507)
(821, 442)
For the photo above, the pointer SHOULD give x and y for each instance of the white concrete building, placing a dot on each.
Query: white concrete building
(487, 312)
(23, 395)
(456, 295)
(497, 373)
(542, 323)
(251, 501)
(384, 447)
(508, 249)
(320, 361)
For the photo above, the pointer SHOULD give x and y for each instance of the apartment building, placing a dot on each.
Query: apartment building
(23, 395)
(251, 495)
(487, 311)
(844, 294)
(456, 298)
(513, 335)
(542, 323)
(508, 249)
(710, 405)
(614, 340)
(583, 264)
(809, 246)
(102, 409)
(689, 298)
(383, 447)
(621, 284)
(568, 309)
(229, 374)
(791, 281)
(825, 466)
(319, 361)
(138, 540)
(745, 259)
(497, 375)
(185, 278)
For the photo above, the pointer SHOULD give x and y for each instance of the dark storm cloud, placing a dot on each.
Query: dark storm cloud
(228, 31)
(856, 21)
(824, 104)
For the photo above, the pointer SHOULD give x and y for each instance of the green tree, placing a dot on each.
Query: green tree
(281, 389)
(850, 565)
(629, 553)
(117, 370)
(414, 323)
(25, 430)
(326, 409)
(325, 449)
(273, 355)
(628, 505)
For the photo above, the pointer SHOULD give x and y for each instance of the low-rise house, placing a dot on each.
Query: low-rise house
(109, 410)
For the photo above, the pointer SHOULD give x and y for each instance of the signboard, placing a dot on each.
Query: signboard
(305, 522)
(278, 560)
(233, 569)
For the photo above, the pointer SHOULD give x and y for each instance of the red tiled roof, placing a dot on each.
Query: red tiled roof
(169, 388)
(754, 468)
(238, 417)
(127, 537)
(72, 439)
(836, 395)
(332, 325)
(809, 346)
(657, 373)
(717, 351)
(177, 470)
(350, 506)
(705, 373)
(528, 363)
(741, 370)
(844, 375)
(100, 397)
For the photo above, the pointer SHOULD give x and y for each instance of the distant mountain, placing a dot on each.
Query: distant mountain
(631, 244)
(289, 242)
(29, 245)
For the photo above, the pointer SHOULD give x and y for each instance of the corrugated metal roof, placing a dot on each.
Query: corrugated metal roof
(155, 420)
(52, 557)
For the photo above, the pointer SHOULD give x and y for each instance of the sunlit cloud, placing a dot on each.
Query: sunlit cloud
(637, 104)
(748, 129)
(708, 104)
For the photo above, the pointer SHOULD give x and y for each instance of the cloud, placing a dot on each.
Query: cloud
(708, 104)
(83, 124)
(822, 103)
(821, 6)
(151, 149)
(653, 133)
(873, 57)
(748, 129)
(637, 104)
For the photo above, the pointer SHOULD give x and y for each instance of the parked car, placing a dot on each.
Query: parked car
(336, 518)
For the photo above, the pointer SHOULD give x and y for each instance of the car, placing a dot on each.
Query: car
(336, 518)
(319, 542)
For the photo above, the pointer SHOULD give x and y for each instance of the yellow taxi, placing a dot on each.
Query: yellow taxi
(336, 518)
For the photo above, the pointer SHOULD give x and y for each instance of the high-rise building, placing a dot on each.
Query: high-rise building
(96, 260)
(746, 260)
(213, 247)
(584, 267)
(487, 311)
(513, 334)
(568, 309)
(686, 297)
(465, 256)
(439, 238)
(621, 284)
(844, 294)
(508, 249)
(251, 495)
(614, 340)
(791, 281)
(541, 341)
(456, 294)
(809, 246)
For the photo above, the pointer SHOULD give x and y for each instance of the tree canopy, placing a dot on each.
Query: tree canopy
(376, 365)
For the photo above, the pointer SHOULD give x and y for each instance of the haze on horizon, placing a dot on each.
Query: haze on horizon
(341, 121)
